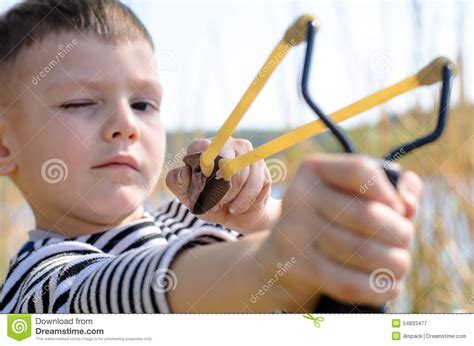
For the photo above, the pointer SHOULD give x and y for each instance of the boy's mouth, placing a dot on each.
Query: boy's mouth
(121, 161)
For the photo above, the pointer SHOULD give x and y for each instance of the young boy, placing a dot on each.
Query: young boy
(81, 137)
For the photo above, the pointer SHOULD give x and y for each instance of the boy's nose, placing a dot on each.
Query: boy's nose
(121, 125)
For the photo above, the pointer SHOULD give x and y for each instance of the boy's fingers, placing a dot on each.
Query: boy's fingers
(178, 180)
(356, 174)
(251, 189)
(231, 148)
(354, 286)
(263, 196)
(247, 184)
(358, 252)
(370, 219)
(238, 180)
(410, 187)
(198, 145)
(411, 182)
(350, 285)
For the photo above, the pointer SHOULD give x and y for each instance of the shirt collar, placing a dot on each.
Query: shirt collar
(37, 234)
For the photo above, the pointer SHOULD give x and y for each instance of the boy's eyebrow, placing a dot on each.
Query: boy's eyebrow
(150, 84)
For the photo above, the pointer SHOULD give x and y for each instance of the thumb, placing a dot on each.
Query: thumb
(178, 180)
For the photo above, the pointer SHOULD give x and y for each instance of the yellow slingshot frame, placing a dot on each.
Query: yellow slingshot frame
(295, 34)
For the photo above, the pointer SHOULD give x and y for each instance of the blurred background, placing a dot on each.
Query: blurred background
(207, 53)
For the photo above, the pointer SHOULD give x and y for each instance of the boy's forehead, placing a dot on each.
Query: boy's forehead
(60, 58)
(73, 83)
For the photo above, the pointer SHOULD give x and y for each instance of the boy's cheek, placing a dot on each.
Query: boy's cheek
(153, 155)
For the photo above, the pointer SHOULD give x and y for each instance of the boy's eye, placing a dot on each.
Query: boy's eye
(141, 106)
(76, 105)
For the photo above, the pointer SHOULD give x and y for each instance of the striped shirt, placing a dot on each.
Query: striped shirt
(121, 270)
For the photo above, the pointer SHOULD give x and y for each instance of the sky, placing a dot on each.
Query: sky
(208, 52)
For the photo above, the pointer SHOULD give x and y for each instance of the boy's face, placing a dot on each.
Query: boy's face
(93, 101)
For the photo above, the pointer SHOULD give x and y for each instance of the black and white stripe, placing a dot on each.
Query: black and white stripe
(106, 272)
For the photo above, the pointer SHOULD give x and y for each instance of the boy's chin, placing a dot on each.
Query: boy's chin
(113, 206)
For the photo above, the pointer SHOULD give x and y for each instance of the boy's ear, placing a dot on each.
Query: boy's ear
(7, 164)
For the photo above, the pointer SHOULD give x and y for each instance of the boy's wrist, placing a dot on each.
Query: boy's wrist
(273, 212)
(269, 216)
(267, 275)
(255, 220)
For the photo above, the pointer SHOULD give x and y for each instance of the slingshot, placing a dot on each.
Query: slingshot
(206, 191)
(440, 69)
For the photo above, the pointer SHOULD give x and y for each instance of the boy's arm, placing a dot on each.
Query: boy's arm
(76, 277)
(139, 281)
(222, 277)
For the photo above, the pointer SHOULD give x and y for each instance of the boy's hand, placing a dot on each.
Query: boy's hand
(338, 236)
(247, 206)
